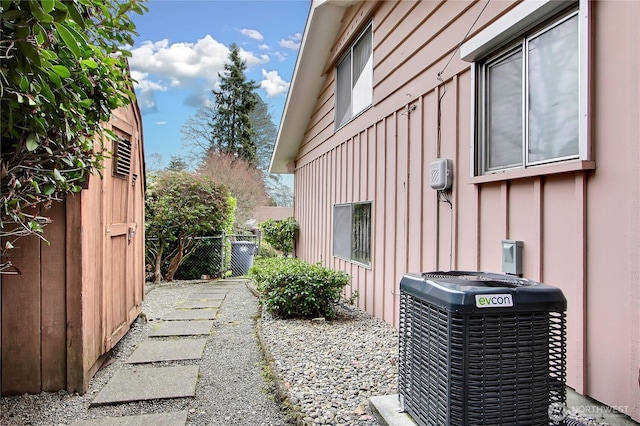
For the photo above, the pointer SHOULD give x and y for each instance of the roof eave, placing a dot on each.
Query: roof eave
(322, 25)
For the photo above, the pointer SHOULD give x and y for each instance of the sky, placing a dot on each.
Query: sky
(183, 45)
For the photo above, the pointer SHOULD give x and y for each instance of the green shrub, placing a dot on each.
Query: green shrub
(292, 288)
(280, 233)
(267, 250)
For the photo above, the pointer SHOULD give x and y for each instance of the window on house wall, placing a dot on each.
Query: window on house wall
(354, 79)
(530, 94)
(352, 232)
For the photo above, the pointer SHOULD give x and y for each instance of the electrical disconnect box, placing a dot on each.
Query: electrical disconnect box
(512, 257)
(441, 175)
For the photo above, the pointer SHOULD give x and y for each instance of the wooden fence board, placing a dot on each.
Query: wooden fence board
(54, 357)
(20, 319)
(74, 296)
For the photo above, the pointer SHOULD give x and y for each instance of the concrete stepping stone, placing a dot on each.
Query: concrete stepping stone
(207, 296)
(179, 418)
(182, 328)
(199, 304)
(147, 383)
(191, 314)
(220, 291)
(167, 350)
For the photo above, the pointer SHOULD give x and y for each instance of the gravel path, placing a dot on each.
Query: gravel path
(231, 388)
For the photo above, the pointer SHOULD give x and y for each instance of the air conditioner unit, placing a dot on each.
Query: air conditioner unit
(481, 349)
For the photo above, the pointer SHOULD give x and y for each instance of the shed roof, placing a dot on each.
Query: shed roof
(322, 25)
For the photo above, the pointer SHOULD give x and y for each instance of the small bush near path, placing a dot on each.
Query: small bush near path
(267, 250)
(291, 288)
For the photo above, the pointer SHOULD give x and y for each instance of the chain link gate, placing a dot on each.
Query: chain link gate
(214, 256)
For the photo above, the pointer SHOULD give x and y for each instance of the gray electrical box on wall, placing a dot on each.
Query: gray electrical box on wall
(441, 174)
(512, 257)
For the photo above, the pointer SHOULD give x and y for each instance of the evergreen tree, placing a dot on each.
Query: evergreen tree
(205, 137)
(265, 134)
(232, 130)
(177, 164)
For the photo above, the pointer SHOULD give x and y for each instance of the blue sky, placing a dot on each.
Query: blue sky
(183, 45)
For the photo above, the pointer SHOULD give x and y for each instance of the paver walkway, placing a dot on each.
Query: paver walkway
(167, 350)
(192, 314)
(149, 383)
(158, 373)
(200, 304)
(182, 328)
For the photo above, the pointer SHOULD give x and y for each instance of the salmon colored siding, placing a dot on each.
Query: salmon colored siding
(581, 229)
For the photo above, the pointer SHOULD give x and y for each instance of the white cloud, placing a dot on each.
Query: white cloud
(279, 56)
(180, 62)
(144, 84)
(273, 84)
(264, 46)
(183, 63)
(198, 97)
(252, 60)
(254, 34)
(145, 90)
(161, 123)
(161, 65)
(292, 42)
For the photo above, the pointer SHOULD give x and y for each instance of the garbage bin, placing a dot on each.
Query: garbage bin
(481, 349)
(242, 253)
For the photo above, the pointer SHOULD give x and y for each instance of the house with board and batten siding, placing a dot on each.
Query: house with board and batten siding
(535, 104)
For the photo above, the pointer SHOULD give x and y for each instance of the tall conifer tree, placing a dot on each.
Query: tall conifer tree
(232, 130)
(208, 133)
(265, 134)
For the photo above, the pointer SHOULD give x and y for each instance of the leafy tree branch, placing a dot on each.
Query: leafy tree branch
(179, 207)
(62, 72)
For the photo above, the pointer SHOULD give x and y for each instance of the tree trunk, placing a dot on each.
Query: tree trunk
(157, 273)
(175, 260)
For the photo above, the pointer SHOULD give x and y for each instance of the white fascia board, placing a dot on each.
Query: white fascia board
(511, 23)
(322, 25)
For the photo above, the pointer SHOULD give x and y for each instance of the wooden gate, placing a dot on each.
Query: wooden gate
(121, 295)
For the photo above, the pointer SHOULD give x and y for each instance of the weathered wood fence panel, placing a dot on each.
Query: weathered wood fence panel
(53, 304)
(21, 321)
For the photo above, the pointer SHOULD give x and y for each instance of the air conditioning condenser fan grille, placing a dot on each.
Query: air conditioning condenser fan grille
(424, 336)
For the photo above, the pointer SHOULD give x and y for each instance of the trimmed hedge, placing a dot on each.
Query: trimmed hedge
(291, 288)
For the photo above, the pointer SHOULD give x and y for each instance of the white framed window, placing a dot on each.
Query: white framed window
(530, 88)
(352, 232)
(354, 79)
